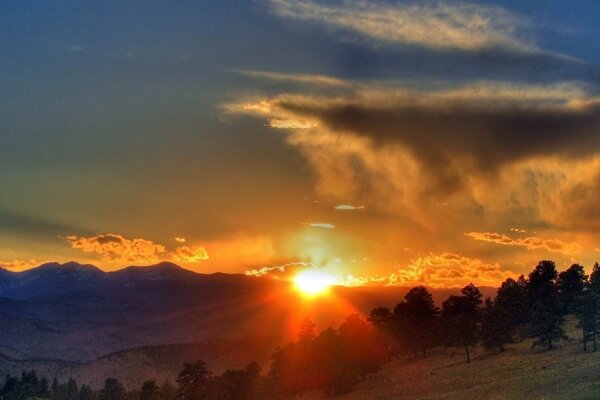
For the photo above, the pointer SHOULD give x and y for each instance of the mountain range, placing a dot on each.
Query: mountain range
(76, 320)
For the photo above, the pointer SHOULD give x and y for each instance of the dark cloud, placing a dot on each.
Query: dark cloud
(461, 134)
(32, 226)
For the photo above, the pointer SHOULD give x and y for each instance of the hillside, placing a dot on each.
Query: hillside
(132, 367)
(519, 373)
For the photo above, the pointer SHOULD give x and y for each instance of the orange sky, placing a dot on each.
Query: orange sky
(430, 143)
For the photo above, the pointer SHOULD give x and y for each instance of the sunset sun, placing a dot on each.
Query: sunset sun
(312, 282)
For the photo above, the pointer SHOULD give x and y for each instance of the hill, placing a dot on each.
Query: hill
(133, 367)
(519, 373)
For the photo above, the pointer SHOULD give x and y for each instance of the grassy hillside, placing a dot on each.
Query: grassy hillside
(565, 373)
(132, 367)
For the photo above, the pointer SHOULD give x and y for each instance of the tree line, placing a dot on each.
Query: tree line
(335, 360)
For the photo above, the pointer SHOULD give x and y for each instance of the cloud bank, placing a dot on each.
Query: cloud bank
(439, 25)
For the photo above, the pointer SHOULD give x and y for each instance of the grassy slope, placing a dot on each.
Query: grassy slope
(519, 373)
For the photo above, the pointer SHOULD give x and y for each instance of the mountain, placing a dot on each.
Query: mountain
(70, 316)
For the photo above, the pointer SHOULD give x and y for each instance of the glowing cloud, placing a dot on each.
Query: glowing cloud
(323, 225)
(114, 247)
(185, 254)
(19, 265)
(449, 270)
(532, 242)
(348, 207)
(117, 248)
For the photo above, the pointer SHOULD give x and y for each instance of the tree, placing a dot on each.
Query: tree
(86, 393)
(416, 320)
(461, 317)
(511, 297)
(496, 330)
(587, 310)
(546, 315)
(112, 390)
(360, 345)
(238, 384)
(193, 381)
(570, 284)
(594, 279)
(149, 391)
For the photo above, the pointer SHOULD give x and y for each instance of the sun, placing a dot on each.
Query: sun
(312, 282)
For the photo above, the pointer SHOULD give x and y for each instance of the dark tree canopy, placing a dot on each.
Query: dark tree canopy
(461, 316)
(546, 314)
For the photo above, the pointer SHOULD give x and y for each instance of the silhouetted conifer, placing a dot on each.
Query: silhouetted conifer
(570, 284)
(416, 320)
(193, 382)
(461, 316)
(496, 329)
(586, 308)
(112, 390)
(546, 315)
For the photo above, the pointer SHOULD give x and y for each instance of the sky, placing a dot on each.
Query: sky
(388, 142)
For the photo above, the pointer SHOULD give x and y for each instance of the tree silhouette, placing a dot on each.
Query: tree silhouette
(594, 279)
(570, 284)
(86, 393)
(112, 390)
(149, 391)
(461, 318)
(587, 310)
(361, 346)
(416, 320)
(193, 382)
(546, 315)
(511, 298)
(496, 329)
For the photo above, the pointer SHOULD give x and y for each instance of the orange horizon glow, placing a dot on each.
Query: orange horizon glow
(313, 282)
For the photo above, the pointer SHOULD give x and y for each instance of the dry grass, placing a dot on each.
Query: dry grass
(519, 373)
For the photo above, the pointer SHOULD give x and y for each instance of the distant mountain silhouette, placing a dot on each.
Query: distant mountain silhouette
(78, 313)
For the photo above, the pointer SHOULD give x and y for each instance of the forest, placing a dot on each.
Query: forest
(333, 361)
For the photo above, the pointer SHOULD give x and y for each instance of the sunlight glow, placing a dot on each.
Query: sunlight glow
(312, 282)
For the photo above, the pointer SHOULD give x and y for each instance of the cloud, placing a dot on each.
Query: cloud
(114, 247)
(179, 239)
(308, 79)
(531, 243)
(19, 265)
(482, 147)
(519, 230)
(117, 248)
(348, 207)
(323, 225)
(439, 25)
(286, 269)
(187, 255)
(449, 270)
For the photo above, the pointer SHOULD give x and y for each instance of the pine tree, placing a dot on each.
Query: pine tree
(570, 284)
(496, 330)
(461, 316)
(587, 310)
(112, 390)
(546, 315)
(193, 381)
(416, 320)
